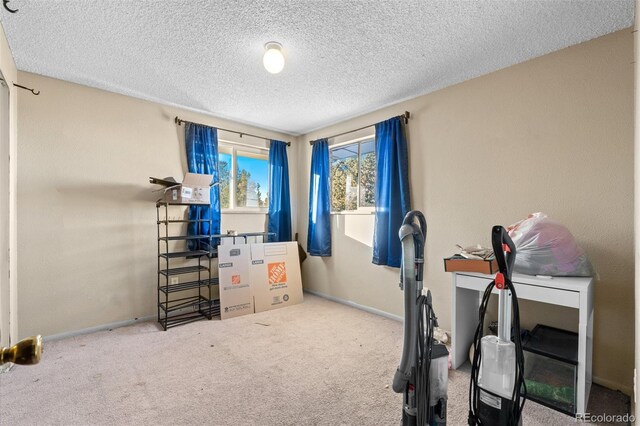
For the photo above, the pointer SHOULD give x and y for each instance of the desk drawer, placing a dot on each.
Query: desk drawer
(554, 296)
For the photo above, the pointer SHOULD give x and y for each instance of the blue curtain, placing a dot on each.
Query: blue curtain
(319, 236)
(202, 157)
(279, 202)
(392, 191)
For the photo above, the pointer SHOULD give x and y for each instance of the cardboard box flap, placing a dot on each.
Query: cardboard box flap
(262, 251)
(193, 180)
(168, 181)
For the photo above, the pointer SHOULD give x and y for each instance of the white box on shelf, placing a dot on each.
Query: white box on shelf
(194, 189)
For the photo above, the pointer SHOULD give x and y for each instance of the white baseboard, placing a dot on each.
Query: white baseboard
(627, 390)
(356, 305)
(102, 327)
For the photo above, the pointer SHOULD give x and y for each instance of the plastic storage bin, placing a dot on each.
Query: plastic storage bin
(551, 368)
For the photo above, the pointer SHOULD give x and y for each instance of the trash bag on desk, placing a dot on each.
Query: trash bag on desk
(546, 247)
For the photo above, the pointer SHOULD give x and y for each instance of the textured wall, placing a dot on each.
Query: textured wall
(86, 211)
(553, 134)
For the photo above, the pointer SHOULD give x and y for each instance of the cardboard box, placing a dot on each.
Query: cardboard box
(275, 275)
(234, 276)
(461, 264)
(194, 189)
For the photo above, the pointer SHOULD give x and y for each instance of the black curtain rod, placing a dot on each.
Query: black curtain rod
(179, 122)
(404, 116)
(35, 92)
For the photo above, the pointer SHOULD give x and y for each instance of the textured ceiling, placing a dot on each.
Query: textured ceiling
(344, 58)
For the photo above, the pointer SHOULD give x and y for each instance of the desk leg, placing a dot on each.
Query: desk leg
(585, 345)
(465, 320)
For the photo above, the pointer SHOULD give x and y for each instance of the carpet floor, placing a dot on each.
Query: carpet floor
(317, 363)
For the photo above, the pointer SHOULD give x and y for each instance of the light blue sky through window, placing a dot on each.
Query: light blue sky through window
(258, 168)
(224, 158)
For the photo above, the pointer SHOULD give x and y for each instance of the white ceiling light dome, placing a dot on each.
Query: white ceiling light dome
(273, 58)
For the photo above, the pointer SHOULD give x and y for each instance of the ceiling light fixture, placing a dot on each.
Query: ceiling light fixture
(273, 58)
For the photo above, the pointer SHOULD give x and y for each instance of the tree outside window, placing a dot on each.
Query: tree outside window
(247, 187)
(353, 176)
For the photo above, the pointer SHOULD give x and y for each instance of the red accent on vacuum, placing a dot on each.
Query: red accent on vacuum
(499, 281)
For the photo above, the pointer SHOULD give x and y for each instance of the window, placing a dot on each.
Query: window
(353, 171)
(244, 178)
(225, 164)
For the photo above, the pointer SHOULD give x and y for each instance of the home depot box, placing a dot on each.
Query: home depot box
(275, 275)
(462, 264)
(235, 280)
(194, 189)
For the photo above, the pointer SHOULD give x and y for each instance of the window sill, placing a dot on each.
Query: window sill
(239, 211)
(353, 213)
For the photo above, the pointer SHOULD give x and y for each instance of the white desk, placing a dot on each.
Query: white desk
(572, 292)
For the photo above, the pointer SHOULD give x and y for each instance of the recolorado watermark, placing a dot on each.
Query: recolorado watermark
(605, 418)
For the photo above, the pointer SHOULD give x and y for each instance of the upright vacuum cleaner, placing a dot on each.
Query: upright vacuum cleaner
(423, 372)
(497, 391)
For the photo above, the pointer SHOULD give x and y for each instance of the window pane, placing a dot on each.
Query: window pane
(252, 179)
(224, 174)
(367, 173)
(344, 178)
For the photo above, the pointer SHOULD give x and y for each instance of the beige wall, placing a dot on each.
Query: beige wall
(9, 290)
(87, 232)
(636, 45)
(553, 134)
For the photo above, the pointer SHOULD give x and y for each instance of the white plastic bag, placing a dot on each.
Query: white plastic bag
(546, 247)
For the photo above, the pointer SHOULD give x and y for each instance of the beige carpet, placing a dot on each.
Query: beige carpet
(318, 363)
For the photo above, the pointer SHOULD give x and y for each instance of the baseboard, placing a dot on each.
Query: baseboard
(609, 384)
(102, 327)
(356, 305)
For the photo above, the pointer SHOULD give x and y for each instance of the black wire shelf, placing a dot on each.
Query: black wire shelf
(189, 285)
(185, 318)
(186, 237)
(183, 221)
(184, 302)
(178, 254)
(205, 309)
(212, 309)
(191, 300)
(183, 270)
(175, 203)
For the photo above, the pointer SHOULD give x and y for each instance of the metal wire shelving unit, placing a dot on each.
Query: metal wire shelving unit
(192, 300)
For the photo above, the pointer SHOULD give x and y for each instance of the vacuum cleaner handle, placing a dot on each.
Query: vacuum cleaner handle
(412, 234)
(501, 242)
(411, 217)
(418, 225)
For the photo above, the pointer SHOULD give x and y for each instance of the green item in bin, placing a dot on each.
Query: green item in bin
(564, 394)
